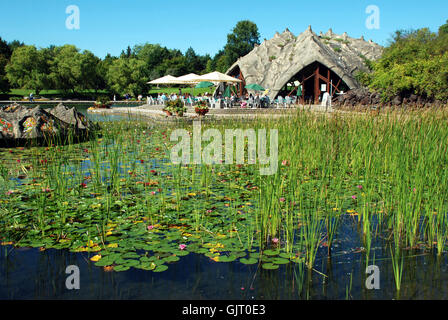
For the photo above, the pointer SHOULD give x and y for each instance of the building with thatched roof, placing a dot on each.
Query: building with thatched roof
(317, 62)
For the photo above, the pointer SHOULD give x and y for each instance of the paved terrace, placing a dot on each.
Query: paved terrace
(156, 112)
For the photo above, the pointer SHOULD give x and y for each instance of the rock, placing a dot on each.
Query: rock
(71, 116)
(413, 97)
(22, 126)
(293, 54)
(397, 101)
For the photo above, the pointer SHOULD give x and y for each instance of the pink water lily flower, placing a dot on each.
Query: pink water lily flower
(354, 197)
(150, 227)
(182, 246)
(359, 186)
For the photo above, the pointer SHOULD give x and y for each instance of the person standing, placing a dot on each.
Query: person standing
(299, 93)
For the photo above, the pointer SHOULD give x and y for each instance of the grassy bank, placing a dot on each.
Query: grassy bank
(92, 94)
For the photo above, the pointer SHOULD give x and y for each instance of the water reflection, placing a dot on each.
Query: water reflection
(31, 274)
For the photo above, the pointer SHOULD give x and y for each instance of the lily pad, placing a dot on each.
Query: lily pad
(280, 261)
(269, 266)
(248, 261)
(225, 258)
(161, 268)
(171, 259)
(121, 268)
(271, 252)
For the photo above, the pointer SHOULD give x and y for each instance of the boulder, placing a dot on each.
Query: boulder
(397, 101)
(20, 125)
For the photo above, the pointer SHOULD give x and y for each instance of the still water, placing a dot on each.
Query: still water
(27, 273)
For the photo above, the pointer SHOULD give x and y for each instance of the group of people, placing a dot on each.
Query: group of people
(163, 97)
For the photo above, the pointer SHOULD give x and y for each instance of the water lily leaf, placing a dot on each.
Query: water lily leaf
(181, 253)
(271, 252)
(132, 263)
(280, 261)
(104, 262)
(145, 266)
(269, 266)
(171, 259)
(161, 268)
(130, 255)
(248, 261)
(225, 258)
(145, 259)
(121, 268)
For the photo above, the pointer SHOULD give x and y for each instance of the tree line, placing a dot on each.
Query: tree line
(71, 70)
(414, 62)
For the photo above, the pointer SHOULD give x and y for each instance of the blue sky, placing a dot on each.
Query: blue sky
(109, 26)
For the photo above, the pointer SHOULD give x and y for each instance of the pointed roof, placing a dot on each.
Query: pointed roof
(274, 62)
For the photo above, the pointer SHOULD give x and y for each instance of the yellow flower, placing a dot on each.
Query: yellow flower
(96, 258)
(112, 245)
(215, 258)
(192, 194)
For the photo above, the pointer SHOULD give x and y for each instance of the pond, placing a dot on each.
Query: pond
(139, 227)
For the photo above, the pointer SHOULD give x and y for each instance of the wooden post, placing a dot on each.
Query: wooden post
(316, 85)
(302, 98)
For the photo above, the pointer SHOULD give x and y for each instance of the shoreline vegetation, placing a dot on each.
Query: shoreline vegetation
(412, 68)
(120, 200)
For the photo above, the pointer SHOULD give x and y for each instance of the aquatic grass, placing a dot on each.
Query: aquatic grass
(387, 172)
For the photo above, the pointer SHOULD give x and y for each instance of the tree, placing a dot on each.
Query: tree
(5, 53)
(28, 69)
(4, 83)
(414, 63)
(13, 45)
(444, 28)
(102, 68)
(195, 63)
(74, 71)
(5, 49)
(127, 76)
(241, 41)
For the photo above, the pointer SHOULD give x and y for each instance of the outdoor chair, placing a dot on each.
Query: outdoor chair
(288, 102)
(280, 102)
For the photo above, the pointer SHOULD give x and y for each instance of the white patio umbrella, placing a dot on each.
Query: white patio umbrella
(164, 80)
(218, 77)
(188, 78)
